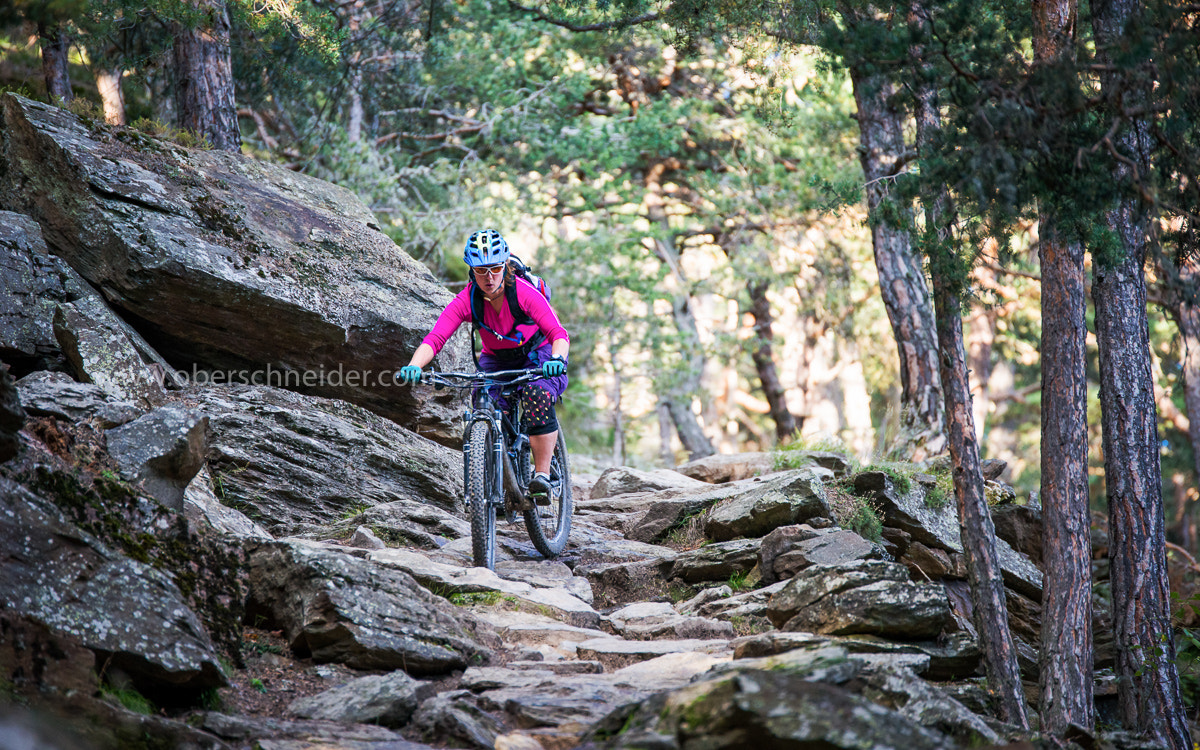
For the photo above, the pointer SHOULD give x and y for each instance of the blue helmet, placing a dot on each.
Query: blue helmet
(486, 248)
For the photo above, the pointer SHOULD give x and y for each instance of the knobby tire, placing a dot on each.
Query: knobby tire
(481, 487)
(550, 526)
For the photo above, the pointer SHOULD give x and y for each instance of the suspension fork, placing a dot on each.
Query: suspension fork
(501, 468)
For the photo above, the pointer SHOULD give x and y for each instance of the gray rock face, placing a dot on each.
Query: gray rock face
(291, 461)
(12, 416)
(622, 480)
(341, 609)
(716, 562)
(198, 244)
(58, 395)
(789, 498)
(162, 450)
(100, 352)
(939, 528)
(387, 700)
(113, 605)
(772, 709)
(778, 541)
(833, 548)
(32, 282)
(866, 597)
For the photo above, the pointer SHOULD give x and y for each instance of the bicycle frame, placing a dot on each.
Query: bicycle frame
(496, 483)
(483, 409)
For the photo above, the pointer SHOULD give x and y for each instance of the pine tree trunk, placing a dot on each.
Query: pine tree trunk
(764, 360)
(204, 88)
(1066, 669)
(1147, 679)
(901, 278)
(56, 47)
(978, 532)
(108, 85)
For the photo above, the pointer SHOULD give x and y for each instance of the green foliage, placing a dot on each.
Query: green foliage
(258, 685)
(485, 598)
(738, 581)
(859, 514)
(130, 699)
(940, 494)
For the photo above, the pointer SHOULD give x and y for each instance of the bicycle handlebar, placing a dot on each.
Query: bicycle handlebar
(477, 379)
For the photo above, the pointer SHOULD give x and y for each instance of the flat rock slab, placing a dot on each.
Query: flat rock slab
(453, 579)
(535, 630)
(615, 653)
(622, 480)
(294, 462)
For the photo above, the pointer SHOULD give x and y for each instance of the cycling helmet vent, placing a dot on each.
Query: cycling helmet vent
(486, 248)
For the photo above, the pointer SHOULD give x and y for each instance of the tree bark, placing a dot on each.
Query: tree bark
(901, 278)
(1066, 669)
(763, 356)
(108, 85)
(1147, 679)
(56, 47)
(978, 531)
(204, 88)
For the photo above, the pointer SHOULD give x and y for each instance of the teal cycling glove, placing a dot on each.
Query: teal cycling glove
(408, 375)
(554, 366)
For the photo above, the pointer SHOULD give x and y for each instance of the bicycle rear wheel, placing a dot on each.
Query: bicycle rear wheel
(550, 525)
(482, 487)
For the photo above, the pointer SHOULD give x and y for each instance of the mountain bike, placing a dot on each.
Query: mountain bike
(498, 464)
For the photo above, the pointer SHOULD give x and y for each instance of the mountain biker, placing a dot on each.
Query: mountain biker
(541, 342)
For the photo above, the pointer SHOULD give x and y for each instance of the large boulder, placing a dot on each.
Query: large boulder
(294, 462)
(228, 264)
(789, 498)
(728, 467)
(622, 480)
(337, 608)
(130, 615)
(860, 597)
(759, 709)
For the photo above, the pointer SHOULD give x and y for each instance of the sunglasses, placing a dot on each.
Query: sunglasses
(488, 270)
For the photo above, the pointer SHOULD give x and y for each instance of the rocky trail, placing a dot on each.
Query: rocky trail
(225, 555)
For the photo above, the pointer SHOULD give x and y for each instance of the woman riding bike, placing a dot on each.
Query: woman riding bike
(535, 339)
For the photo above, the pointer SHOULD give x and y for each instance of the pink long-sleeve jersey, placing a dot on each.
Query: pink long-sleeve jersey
(532, 302)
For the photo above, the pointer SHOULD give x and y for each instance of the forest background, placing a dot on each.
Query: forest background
(694, 181)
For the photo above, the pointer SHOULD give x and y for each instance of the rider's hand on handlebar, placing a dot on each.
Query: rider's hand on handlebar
(554, 366)
(408, 375)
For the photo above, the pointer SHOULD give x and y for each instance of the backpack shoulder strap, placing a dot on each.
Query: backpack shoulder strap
(520, 317)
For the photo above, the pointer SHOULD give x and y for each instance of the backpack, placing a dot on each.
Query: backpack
(520, 317)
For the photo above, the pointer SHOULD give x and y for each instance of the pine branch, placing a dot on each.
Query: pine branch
(620, 23)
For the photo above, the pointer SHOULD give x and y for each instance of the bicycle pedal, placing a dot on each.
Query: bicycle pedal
(541, 499)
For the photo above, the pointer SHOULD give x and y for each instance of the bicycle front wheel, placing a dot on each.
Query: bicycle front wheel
(482, 486)
(550, 525)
